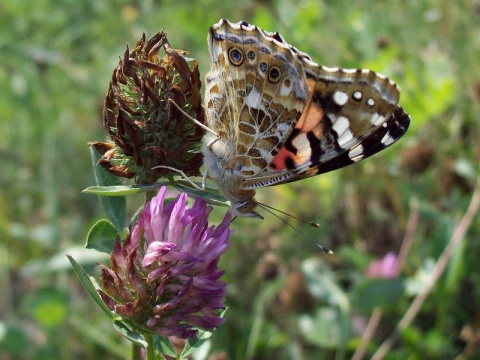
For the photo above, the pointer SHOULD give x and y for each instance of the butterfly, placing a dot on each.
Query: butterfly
(276, 116)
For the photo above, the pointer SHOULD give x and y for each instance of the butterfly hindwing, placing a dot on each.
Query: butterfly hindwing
(255, 94)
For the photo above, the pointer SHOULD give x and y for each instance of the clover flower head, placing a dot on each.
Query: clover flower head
(164, 277)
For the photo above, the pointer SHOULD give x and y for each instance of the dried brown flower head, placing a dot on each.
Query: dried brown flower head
(145, 129)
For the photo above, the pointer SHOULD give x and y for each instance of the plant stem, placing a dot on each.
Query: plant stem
(368, 333)
(150, 347)
(136, 352)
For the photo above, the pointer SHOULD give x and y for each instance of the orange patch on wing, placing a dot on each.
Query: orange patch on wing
(312, 113)
(279, 161)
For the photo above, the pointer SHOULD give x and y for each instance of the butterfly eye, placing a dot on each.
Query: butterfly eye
(274, 74)
(251, 55)
(235, 56)
(243, 206)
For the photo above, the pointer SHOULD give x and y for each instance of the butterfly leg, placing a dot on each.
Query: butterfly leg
(204, 180)
(206, 128)
(210, 144)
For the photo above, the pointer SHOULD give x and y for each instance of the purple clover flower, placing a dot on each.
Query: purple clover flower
(386, 267)
(164, 277)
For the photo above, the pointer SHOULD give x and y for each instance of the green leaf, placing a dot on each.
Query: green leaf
(349, 254)
(210, 195)
(114, 207)
(196, 343)
(89, 285)
(323, 328)
(164, 346)
(456, 269)
(372, 293)
(134, 337)
(122, 190)
(101, 236)
(322, 285)
(14, 341)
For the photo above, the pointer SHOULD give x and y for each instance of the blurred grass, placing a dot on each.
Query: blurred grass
(55, 61)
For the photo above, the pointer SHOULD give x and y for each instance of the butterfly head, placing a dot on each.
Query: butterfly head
(245, 209)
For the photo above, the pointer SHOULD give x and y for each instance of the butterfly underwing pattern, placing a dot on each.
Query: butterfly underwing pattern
(278, 117)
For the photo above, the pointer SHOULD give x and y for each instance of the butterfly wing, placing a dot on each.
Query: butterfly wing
(386, 135)
(349, 116)
(255, 94)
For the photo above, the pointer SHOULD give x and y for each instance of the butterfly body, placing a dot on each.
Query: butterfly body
(279, 117)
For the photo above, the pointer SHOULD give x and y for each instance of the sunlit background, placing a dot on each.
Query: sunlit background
(286, 299)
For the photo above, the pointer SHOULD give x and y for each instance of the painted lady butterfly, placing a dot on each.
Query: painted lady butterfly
(277, 117)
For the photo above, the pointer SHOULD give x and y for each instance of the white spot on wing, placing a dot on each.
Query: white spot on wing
(340, 98)
(331, 70)
(254, 99)
(285, 90)
(341, 125)
(215, 51)
(387, 139)
(357, 95)
(345, 138)
(282, 128)
(356, 154)
(377, 119)
(304, 151)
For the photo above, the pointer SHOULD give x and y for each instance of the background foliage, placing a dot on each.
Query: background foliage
(286, 298)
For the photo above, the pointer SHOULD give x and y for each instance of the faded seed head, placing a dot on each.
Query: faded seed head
(145, 129)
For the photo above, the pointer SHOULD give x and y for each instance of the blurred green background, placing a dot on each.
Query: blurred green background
(287, 300)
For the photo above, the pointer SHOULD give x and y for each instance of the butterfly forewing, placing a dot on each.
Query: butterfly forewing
(383, 137)
(345, 114)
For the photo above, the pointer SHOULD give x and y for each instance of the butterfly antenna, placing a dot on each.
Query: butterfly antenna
(269, 210)
(311, 223)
